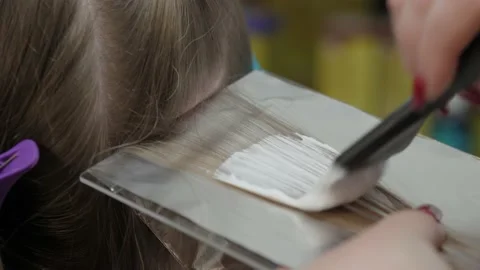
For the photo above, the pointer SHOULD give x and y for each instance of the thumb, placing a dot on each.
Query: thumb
(390, 238)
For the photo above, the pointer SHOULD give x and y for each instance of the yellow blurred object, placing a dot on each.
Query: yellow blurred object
(398, 83)
(293, 46)
(427, 127)
(262, 23)
(294, 42)
(349, 64)
(261, 47)
(475, 129)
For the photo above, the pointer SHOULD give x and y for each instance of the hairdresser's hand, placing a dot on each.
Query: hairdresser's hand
(406, 240)
(431, 34)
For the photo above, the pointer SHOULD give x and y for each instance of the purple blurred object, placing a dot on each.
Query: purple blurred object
(261, 22)
(16, 162)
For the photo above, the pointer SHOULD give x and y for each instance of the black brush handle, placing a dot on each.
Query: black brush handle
(398, 130)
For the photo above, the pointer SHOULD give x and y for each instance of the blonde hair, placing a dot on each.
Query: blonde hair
(83, 78)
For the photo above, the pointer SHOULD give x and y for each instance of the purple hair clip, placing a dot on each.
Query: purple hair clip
(16, 162)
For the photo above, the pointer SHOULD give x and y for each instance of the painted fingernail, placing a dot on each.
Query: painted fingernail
(432, 211)
(444, 111)
(418, 92)
(472, 94)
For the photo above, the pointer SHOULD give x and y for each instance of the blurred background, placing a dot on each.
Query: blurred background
(345, 49)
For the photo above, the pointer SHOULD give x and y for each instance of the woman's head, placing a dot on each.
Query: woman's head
(82, 78)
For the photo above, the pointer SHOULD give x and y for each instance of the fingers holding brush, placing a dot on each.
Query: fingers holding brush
(449, 28)
(407, 18)
(431, 35)
(405, 240)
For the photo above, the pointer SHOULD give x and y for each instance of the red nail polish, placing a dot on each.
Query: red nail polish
(431, 211)
(444, 111)
(418, 92)
(472, 94)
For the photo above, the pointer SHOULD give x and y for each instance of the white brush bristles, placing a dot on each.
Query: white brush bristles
(296, 171)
